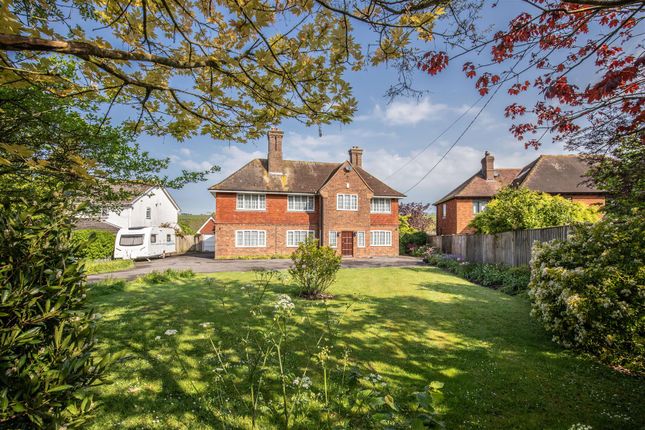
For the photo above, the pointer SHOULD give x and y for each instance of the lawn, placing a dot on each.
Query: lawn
(411, 325)
(93, 267)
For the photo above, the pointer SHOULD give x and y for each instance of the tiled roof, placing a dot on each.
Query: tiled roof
(95, 224)
(555, 174)
(477, 186)
(298, 177)
(563, 174)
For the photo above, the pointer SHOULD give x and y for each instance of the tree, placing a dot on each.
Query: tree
(520, 208)
(46, 140)
(227, 69)
(542, 49)
(418, 216)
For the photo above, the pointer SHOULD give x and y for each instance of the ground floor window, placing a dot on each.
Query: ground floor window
(250, 238)
(332, 239)
(381, 238)
(294, 237)
(360, 239)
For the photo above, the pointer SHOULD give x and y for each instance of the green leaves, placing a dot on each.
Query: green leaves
(314, 268)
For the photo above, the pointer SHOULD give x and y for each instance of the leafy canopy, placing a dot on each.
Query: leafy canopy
(520, 208)
(229, 69)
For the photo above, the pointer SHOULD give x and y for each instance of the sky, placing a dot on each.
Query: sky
(393, 135)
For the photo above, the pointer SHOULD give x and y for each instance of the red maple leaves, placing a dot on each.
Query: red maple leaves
(575, 59)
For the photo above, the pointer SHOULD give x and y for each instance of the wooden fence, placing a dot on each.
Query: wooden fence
(190, 244)
(512, 248)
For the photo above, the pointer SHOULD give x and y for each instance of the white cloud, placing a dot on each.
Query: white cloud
(410, 112)
(185, 152)
(195, 165)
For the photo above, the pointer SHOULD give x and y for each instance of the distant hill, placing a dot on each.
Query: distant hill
(191, 222)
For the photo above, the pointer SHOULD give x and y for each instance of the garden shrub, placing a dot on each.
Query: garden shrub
(509, 280)
(314, 268)
(48, 352)
(168, 275)
(589, 291)
(95, 244)
(410, 238)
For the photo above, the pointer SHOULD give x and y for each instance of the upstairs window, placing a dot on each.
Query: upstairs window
(300, 203)
(294, 237)
(347, 202)
(251, 202)
(479, 205)
(381, 206)
(148, 213)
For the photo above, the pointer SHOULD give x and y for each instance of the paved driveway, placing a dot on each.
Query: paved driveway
(206, 264)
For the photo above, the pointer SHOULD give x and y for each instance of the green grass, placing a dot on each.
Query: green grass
(412, 325)
(93, 267)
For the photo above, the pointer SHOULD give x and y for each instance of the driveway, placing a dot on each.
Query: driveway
(204, 263)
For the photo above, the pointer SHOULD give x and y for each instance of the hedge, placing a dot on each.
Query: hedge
(95, 243)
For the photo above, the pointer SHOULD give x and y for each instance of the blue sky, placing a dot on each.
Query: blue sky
(391, 134)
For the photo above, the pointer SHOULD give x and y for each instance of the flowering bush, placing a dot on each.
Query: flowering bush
(314, 268)
(589, 291)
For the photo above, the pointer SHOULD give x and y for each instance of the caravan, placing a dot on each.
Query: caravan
(144, 242)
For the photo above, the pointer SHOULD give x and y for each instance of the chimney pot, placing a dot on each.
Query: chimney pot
(356, 156)
(488, 166)
(274, 154)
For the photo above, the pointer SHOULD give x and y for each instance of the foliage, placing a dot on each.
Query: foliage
(95, 244)
(190, 223)
(411, 325)
(410, 238)
(537, 57)
(47, 140)
(93, 267)
(589, 291)
(188, 67)
(520, 208)
(418, 218)
(48, 351)
(314, 268)
(621, 175)
(509, 280)
(157, 277)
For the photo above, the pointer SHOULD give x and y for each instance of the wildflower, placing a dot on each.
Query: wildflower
(170, 332)
(205, 324)
(157, 337)
(304, 382)
(284, 304)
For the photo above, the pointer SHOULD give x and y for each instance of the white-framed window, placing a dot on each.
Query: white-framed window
(300, 203)
(347, 202)
(443, 210)
(479, 205)
(251, 202)
(148, 213)
(360, 239)
(294, 237)
(153, 238)
(381, 205)
(250, 238)
(168, 238)
(333, 241)
(381, 238)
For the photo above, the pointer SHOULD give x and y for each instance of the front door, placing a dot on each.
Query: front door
(347, 244)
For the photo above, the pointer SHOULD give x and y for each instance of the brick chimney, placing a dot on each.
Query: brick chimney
(274, 155)
(356, 156)
(488, 166)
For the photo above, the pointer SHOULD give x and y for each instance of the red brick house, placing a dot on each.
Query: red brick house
(554, 174)
(270, 205)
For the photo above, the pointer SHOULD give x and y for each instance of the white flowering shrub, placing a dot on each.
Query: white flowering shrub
(589, 291)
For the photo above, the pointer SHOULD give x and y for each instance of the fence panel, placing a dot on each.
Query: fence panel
(512, 248)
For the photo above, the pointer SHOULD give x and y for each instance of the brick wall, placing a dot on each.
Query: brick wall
(458, 215)
(589, 200)
(276, 239)
(276, 211)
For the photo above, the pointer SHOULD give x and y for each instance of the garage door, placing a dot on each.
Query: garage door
(208, 242)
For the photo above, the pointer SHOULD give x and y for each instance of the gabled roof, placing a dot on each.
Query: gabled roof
(562, 174)
(298, 177)
(555, 174)
(478, 186)
(138, 190)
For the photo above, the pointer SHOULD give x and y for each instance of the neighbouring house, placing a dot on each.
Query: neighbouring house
(270, 205)
(207, 235)
(554, 174)
(151, 206)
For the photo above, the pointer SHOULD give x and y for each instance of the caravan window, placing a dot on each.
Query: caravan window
(153, 238)
(168, 238)
(131, 240)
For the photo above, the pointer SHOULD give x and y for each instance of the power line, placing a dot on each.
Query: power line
(436, 138)
(456, 141)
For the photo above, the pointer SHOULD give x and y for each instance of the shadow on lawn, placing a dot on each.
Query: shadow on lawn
(482, 344)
